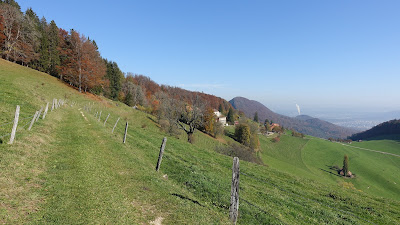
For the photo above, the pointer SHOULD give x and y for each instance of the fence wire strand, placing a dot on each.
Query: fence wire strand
(7, 123)
(313, 200)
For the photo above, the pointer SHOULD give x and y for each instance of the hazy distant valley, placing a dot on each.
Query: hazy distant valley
(359, 121)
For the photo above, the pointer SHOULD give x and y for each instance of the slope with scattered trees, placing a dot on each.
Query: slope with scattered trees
(305, 124)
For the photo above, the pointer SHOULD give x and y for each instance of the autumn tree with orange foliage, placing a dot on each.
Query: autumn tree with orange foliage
(209, 121)
(2, 36)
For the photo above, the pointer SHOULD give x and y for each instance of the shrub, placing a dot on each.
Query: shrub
(242, 134)
(237, 150)
(276, 139)
(218, 129)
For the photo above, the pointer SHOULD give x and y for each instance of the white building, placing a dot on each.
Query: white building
(220, 118)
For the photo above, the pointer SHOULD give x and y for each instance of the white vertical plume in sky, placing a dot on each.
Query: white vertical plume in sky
(298, 109)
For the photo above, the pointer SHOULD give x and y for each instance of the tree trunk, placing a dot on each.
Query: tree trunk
(80, 79)
(190, 137)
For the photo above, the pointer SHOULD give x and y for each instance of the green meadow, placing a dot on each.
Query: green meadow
(70, 169)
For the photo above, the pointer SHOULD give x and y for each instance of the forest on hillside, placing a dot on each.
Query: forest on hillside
(75, 59)
(388, 128)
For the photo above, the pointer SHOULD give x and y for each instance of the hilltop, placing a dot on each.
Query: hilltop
(389, 130)
(304, 124)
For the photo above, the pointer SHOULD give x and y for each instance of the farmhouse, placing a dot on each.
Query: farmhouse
(274, 125)
(220, 117)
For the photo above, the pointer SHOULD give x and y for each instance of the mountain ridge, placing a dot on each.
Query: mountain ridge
(304, 124)
(388, 128)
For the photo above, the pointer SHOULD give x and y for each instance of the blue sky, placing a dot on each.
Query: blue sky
(323, 55)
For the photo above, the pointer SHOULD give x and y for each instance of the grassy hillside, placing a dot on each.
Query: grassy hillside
(377, 173)
(70, 169)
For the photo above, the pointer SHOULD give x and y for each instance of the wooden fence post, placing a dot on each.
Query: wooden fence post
(115, 126)
(33, 120)
(105, 121)
(164, 142)
(45, 111)
(40, 113)
(14, 129)
(52, 105)
(100, 115)
(234, 207)
(126, 131)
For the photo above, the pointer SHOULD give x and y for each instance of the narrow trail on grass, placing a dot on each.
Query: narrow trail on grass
(82, 182)
(364, 149)
(371, 150)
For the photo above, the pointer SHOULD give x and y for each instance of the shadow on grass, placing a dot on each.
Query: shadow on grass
(332, 170)
(148, 117)
(230, 134)
(186, 198)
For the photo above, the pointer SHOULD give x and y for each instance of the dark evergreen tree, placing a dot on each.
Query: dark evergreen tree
(44, 59)
(220, 108)
(53, 42)
(115, 78)
(345, 165)
(230, 117)
(256, 117)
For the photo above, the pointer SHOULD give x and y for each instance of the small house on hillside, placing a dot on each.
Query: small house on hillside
(220, 117)
(274, 125)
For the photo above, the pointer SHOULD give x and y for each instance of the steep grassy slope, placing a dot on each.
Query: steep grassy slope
(377, 173)
(71, 169)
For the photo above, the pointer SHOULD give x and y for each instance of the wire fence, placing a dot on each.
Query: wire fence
(218, 197)
(3, 128)
(6, 127)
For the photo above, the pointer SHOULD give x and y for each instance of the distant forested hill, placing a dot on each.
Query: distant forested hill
(388, 128)
(304, 124)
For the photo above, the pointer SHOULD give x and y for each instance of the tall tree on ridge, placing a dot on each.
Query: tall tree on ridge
(229, 117)
(345, 165)
(53, 43)
(256, 117)
(31, 38)
(65, 55)
(12, 21)
(115, 77)
(44, 59)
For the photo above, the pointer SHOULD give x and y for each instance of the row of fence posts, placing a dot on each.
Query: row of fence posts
(234, 204)
(56, 104)
(97, 115)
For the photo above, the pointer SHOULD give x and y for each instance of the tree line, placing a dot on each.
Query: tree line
(75, 59)
(389, 128)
